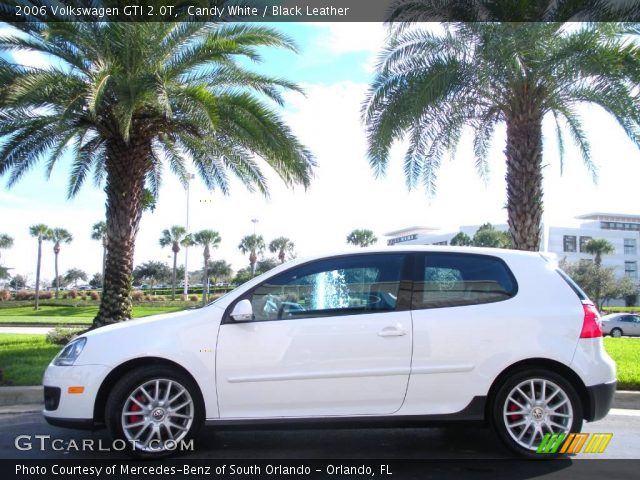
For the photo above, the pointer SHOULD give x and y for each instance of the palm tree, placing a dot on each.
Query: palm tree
(58, 236)
(173, 237)
(254, 246)
(281, 246)
(41, 232)
(208, 239)
(599, 247)
(124, 99)
(429, 86)
(5, 241)
(99, 232)
(362, 238)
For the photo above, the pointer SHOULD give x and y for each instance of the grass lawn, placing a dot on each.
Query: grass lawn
(23, 358)
(626, 353)
(61, 315)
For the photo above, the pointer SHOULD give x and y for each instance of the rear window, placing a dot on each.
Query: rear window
(452, 279)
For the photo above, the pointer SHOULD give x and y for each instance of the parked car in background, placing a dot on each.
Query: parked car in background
(382, 337)
(619, 324)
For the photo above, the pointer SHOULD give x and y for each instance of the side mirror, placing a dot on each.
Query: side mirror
(242, 311)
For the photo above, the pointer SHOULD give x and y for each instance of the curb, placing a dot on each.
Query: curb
(24, 397)
(21, 395)
(626, 399)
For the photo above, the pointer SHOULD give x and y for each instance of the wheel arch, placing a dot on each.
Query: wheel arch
(116, 374)
(546, 364)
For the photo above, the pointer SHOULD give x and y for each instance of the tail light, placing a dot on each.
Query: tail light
(591, 327)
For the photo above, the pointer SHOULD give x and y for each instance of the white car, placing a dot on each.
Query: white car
(400, 336)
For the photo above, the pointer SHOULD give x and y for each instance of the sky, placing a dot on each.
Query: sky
(334, 66)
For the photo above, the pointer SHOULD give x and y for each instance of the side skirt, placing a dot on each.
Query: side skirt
(474, 412)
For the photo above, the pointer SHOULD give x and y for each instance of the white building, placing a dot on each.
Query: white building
(623, 231)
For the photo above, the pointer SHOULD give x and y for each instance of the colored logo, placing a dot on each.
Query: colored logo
(574, 442)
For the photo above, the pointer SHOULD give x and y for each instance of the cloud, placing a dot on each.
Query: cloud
(350, 37)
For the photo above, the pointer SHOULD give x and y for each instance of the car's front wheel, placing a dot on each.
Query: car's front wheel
(531, 404)
(154, 410)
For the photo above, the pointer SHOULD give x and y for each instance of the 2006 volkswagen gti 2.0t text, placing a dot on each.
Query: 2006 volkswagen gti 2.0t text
(401, 336)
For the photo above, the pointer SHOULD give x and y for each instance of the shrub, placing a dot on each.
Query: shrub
(184, 297)
(147, 298)
(5, 295)
(62, 336)
(193, 298)
(73, 294)
(137, 295)
(24, 295)
(45, 295)
(95, 296)
(65, 295)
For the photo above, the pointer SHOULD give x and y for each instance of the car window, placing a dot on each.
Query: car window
(451, 279)
(347, 285)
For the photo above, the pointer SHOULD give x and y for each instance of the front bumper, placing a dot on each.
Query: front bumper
(72, 409)
(600, 400)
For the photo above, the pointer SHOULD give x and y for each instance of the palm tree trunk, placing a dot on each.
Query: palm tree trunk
(173, 280)
(56, 271)
(104, 260)
(205, 284)
(252, 262)
(524, 175)
(126, 166)
(38, 274)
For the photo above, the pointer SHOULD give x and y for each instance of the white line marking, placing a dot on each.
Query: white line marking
(624, 412)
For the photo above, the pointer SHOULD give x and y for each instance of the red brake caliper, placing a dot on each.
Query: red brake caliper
(136, 408)
(512, 408)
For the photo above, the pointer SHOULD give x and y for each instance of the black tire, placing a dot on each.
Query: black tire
(616, 332)
(120, 399)
(502, 404)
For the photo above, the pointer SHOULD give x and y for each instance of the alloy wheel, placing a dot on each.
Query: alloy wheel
(534, 408)
(157, 413)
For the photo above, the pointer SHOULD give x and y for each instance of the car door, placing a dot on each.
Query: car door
(634, 325)
(460, 306)
(330, 337)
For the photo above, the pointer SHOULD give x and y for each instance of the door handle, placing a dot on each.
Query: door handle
(391, 332)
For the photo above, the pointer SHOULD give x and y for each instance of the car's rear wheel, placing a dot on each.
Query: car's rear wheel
(616, 332)
(154, 410)
(531, 404)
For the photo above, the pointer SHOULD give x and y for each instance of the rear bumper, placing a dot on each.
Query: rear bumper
(600, 400)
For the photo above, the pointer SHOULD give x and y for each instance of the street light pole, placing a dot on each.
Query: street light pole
(254, 221)
(190, 177)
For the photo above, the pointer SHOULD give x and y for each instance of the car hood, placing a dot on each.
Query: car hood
(175, 319)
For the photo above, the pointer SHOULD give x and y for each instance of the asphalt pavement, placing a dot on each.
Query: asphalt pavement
(465, 441)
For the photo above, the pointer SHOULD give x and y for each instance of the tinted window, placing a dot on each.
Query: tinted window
(337, 286)
(447, 280)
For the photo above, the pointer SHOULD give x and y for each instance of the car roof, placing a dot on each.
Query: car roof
(496, 252)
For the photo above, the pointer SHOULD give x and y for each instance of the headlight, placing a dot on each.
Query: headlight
(69, 354)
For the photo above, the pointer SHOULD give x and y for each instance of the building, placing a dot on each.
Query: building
(623, 231)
